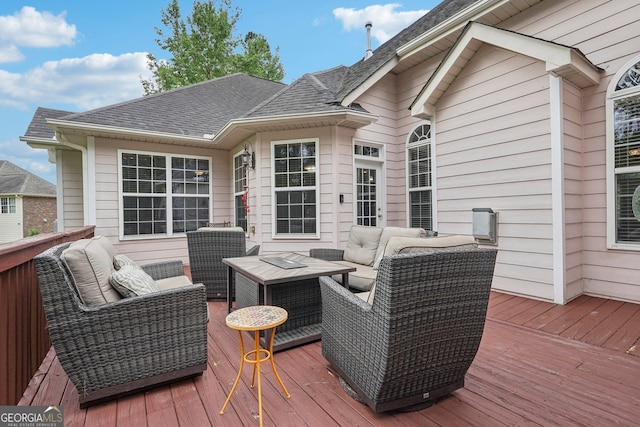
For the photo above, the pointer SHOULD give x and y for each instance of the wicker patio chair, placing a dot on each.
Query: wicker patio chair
(128, 345)
(207, 247)
(417, 339)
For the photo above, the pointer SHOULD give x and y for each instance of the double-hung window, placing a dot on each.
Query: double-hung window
(623, 157)
(419, 177)
(295, 190)
(7, 205)
(240, 193)
(163, 195)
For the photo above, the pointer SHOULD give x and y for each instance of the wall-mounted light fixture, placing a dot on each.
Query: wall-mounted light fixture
(201, 176)
(248, 158)
(485, 223)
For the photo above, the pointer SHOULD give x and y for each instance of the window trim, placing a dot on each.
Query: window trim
(170, 234)
(316, 188)
(10, 205)
(612, 96)
(432, 188)
(235, 193)
(380, 162)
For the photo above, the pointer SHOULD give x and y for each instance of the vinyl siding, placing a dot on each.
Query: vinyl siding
(72, 198)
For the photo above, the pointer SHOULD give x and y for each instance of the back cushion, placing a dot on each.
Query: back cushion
(362, 244)
(90, 265)
(106, 244)
(401, 245)
(390, 232)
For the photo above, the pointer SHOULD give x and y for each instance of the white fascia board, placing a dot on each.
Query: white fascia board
(364, 118)
(60, 125)
(557, 58)
(452, 24)
(368, 83)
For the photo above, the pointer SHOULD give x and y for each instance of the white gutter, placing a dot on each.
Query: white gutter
(116, 130)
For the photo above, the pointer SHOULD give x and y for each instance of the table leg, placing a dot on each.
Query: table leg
(235, 383)
(345, 280)
(230, 292)
(273, 364)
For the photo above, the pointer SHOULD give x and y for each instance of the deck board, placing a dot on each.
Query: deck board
(538, 364)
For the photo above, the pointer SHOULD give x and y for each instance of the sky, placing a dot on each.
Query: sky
(77, 55)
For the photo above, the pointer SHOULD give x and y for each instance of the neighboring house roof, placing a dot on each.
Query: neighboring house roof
(15, 180)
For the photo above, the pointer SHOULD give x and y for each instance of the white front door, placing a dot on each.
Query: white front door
(369, 190)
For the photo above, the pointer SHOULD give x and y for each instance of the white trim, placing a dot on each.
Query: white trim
(370, 82)
(432, 160)
(557, 189)
(316, 188)
(59, 191)
(90, 219)
(167, 194)
(560, 60)
(612, 95)
(380, 164)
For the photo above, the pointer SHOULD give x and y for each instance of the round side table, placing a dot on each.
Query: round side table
(256, 318)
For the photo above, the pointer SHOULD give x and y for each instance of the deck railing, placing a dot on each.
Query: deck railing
(24, 340)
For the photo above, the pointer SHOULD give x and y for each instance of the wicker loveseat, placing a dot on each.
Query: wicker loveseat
(123, 344)
(207, 247)
(417, 339)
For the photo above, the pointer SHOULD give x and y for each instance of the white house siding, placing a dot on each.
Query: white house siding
(72, 198)
(493, 151)
(606, 32)
(11, 223)
(107, 202)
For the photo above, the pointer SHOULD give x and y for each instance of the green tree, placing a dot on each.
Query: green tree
(205, 46)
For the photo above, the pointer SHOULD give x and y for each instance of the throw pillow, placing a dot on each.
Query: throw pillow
(131, 281)
(120, 261)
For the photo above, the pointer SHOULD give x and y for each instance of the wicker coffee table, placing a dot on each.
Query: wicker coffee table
(297, 290)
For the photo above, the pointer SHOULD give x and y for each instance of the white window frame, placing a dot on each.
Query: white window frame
(167, 194)
(612, 96)
(245, 186)
(315, 188)
(432, 187)
(9, 203)
(364, 161)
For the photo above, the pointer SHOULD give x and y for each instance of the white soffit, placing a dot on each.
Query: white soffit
(560, 60)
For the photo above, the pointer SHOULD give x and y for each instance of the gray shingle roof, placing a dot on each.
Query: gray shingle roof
(15, 180)
(195, 110)
(38, 128)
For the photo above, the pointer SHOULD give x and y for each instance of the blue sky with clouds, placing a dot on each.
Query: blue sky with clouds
(79, 55)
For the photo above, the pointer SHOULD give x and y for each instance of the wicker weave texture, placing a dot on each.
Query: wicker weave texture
(207, 248)
(124, 341)
(422, 332)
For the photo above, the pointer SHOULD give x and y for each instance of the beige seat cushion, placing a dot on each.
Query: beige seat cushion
(389, 232)
(173, 282)
(362, 244)
(131, 281)
(362, 279)
(91, 266)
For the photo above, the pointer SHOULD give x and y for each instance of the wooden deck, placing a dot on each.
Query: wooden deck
(538, 364)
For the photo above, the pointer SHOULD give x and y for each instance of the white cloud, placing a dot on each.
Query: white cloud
(31, 28)
(386, 19)
(83, 83)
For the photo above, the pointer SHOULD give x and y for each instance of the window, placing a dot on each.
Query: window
(419, 177)
(7, 205)
(295, 193)
(623, 156)
(162, 194)
(240, 192)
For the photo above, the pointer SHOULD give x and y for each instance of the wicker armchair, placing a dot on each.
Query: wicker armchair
(207, 247)
(128, 345)
(417, 339)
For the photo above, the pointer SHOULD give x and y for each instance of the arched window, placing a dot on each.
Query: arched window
(419, 176)
(623, 157)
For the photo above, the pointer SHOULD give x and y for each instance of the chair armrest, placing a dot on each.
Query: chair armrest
(161, 331)
(254, 250)
(327, 254)
(162, 270)
(344, 311)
